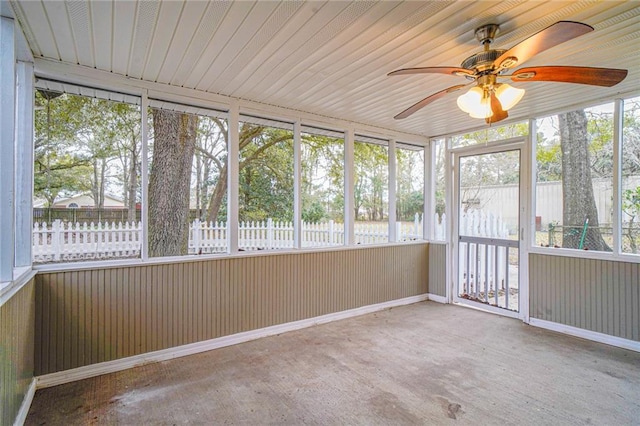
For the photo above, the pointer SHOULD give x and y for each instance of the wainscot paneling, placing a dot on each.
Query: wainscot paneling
(90, 316)
(16, 351)
(438, 269)
(596, 295)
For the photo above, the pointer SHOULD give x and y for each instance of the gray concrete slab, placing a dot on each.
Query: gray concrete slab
(420, 364)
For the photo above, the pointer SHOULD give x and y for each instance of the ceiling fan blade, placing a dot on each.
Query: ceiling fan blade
(549, 37)
(433, 70)
(426, 101)
(605, 77)
(496, 108)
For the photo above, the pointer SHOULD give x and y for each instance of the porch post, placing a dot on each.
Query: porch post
(7, 147)
(24, 158)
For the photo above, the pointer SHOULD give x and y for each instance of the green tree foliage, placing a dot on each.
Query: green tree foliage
(322, 184)
(77, 142)
(266, 174)
(631, 206)
(409, 184)
(371, 181)
(59, 168)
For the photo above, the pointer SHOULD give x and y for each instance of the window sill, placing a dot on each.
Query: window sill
(107, 264)
(21, 277)
(586, 254)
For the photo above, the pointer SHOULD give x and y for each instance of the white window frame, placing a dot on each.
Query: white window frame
(616, 254)
(149, 93)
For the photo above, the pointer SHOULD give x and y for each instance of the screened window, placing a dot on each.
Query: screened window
(371, 190)
(438, 161)
(266, 192)
(87, 154)
(187, 195)
(492, 133)
(574, 156)
(409, 192)
(631, 176)
(322, 187)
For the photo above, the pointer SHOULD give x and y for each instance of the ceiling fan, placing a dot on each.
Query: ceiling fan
(490, 99)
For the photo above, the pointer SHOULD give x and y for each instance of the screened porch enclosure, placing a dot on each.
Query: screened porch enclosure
(185, 178)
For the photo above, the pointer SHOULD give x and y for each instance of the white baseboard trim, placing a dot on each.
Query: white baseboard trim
(26, 404)
(67, 376)
(436, 298)
(586, 334)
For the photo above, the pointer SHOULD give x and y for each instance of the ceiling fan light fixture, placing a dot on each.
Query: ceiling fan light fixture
(508, 96)
(475, 103)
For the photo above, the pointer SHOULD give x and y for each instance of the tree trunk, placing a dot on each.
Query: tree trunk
(169, 182)
(577, 189)
(94, 184)
(133, 185)
(103, 172)
(218, 194)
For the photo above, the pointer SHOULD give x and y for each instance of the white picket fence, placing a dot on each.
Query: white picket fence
(69, 241)
(62, 241)
(483, 264)
(476, 223)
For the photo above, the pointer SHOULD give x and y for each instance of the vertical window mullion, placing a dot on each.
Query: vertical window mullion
(533, 164)
(7, 147)
(144, 172)
(233, 158)
(392, 191)
(349, 185)
(297, 185)
(618, 115)
(429, 211)
(449, 207)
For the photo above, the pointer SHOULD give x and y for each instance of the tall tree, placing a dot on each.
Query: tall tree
(169, 182)
(255, 147)
(578, 202)
(59, 167)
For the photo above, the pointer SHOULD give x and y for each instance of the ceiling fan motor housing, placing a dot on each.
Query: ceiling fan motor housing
(482, 61)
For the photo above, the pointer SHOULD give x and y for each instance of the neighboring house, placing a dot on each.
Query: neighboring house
(81, 201)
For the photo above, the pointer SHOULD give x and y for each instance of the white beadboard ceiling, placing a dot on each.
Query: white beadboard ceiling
(331, 57)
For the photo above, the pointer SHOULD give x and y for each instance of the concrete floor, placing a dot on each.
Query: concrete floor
(420, 364)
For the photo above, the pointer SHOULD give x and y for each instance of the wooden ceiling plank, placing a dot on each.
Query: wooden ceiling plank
(285, 56)
(303, 14)
(102, 35)
(188, 44)
(283, 73)
(169, 17)
(261, 41)
(124, 14)
(61, 27)
(330, 57)
(255, 20)
(81, 28)
(235, 15)
(146, 19)
(360, 53)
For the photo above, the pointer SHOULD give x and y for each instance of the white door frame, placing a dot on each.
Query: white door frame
(453, 155)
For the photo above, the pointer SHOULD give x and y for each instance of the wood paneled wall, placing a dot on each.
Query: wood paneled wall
(90, 316)
(16, 351)
(438, 269)
(596, 295)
